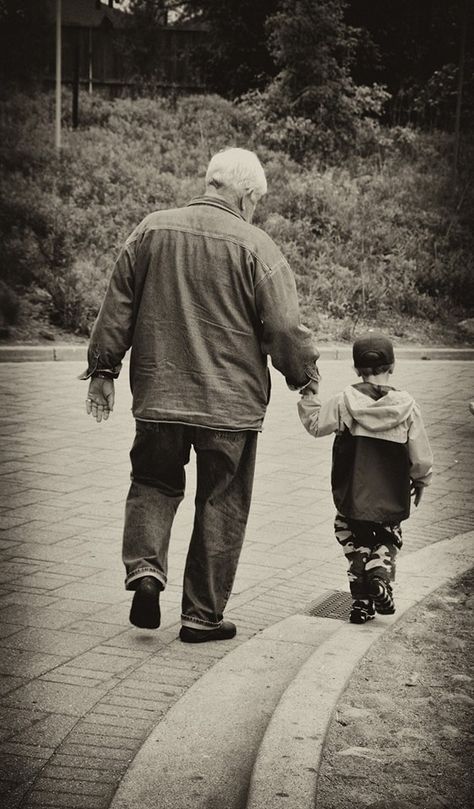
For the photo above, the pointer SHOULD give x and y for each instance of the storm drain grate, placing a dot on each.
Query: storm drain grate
(336, 604)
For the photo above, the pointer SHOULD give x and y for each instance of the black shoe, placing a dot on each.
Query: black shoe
(362, 611)
(145, 611)
(225, 631)
(381, 592)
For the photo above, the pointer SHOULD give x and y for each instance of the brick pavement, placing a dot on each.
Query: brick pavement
(80, 689)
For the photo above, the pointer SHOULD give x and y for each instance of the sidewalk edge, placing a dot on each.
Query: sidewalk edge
(70, 353)
(290, 755)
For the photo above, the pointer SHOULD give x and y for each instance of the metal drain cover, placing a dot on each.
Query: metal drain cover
(335, 604)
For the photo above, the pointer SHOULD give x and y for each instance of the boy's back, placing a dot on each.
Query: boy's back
(380, 446)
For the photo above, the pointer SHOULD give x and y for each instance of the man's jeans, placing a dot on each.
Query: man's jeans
(225, 469)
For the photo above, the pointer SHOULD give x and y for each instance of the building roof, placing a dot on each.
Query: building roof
(88, 13)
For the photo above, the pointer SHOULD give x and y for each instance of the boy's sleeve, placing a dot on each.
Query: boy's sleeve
(317, 418)
(419, 450)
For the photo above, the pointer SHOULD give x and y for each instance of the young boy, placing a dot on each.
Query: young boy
(381, 455)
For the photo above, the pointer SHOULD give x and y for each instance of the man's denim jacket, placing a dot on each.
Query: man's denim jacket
(202, 297)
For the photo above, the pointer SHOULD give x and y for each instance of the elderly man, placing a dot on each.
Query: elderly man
(202, 297)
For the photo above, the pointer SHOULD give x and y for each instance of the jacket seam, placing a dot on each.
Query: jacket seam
(223, 238)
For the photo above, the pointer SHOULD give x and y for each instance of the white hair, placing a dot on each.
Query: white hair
(239, 169)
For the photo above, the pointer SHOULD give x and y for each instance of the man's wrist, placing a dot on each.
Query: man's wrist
(105, 374)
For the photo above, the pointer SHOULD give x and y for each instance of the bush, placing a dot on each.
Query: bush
(381, 231)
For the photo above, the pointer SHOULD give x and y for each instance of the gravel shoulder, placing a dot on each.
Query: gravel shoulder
(402, 736)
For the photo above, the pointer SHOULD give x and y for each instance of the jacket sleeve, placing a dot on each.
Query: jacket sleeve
(112, 332)
(419, 450)
(289, 343)
(320, 419)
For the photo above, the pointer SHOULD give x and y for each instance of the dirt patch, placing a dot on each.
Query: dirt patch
(402, 735)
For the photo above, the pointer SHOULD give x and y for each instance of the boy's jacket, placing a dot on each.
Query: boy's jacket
(380, 447)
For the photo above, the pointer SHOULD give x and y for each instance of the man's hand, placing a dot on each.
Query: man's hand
(416, 491)
(100, 398)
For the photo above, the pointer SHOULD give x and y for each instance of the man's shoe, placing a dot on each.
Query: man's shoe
(225, 631)
(381, 592)
(362, 611)
(145, 611)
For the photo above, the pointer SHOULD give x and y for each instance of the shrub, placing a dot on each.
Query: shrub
(382, 231)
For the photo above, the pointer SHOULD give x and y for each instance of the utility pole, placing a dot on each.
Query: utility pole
(76, 79)
(58, 76)
(462, 58)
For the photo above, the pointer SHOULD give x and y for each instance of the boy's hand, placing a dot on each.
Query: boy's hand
(100, 398)
(416, 491)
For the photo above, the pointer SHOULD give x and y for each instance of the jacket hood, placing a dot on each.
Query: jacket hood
(377, 409)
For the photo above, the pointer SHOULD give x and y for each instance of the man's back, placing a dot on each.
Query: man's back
(212, 294)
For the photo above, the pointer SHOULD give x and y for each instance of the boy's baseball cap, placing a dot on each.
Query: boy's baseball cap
(372, 349)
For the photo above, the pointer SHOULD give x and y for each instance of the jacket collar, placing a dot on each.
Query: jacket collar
(217, 202)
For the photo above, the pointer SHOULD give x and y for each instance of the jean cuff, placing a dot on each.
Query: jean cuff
(133, 578)
(195, 623)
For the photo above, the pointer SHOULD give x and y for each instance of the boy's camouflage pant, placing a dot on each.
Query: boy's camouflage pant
(370, 549)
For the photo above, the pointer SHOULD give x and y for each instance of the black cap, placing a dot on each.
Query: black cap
(371, 350)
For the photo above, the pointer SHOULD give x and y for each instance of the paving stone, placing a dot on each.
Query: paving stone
(71, 679)
(77, 608)
(49, 640)
(78, 775)
(98, 660)
(100, 717)
(47, 696)
(101, 753)
(139, 703)
(87, 763)
(23, 769)
(91, 729)
(28, 615)
(15, 748)
(28, 664)
(289, 556)
(58, 800)
(130, 713)
(49, 731)
(87, 743)
(12, 793)
(83, 591)
(13, 571)
(73, 787)
(8, 683)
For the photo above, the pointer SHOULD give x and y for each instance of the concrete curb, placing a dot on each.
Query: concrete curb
(43, 353)
(78, 353)
(202, 753)
(261, 714)
(290, 755)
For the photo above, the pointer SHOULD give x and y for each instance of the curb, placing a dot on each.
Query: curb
(290, 756)
(260, 715)
(43, 353)
(202, 752)
(78, 353)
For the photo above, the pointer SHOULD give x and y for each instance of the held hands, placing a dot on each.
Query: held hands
(100, 398)
(310, 388)
(313, 385)
(416, 492)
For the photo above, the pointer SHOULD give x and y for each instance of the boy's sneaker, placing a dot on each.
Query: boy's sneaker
(362, 611)
(381, 592)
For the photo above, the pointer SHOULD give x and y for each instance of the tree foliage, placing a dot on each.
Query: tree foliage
(414, 51)
(236, 57)
(26, 39)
